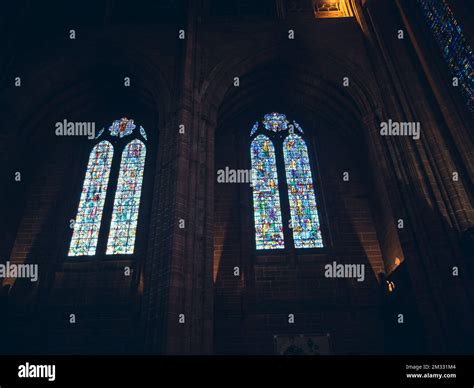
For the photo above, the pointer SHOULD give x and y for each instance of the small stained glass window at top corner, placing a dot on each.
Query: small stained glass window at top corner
(123, 227)
(303, 209)
(122, 127)
(266, 198)
(455, 49)
(91, 204)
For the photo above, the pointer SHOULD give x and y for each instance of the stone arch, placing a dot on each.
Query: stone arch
(362, 94)
(50, 75)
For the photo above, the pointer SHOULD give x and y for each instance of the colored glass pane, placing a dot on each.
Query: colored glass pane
(127, 200)
(301, 196)
(266, 198)
(456, 51)
(89, 213)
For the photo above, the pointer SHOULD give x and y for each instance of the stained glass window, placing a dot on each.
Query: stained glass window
(298, 127)
(122, 127)
(100, 133)
(266, 199)
(254, 129)
(127, 200)
(303, 209)
(143, 133)
(449, 37)
(89, 213)
(275, 122)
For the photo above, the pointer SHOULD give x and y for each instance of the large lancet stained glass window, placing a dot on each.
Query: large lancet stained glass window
(279, 141)
(89, 213)
(449, 37)
(127, 200)
(266, 198)
(303, 210)
(124, 218)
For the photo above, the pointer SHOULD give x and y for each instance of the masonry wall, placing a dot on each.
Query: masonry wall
(253, 307)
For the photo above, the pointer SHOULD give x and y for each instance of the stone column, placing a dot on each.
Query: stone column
(178, 275)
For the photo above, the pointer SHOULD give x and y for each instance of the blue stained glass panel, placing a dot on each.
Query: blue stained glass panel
(143, 133)
(127, 200)
(254, 129)
(275, 122)
(266, 198)
(455, 49)
(303, 209)
(91, 204)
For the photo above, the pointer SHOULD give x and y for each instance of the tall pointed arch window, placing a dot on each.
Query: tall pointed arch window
(266, 198)
(91, 204)
(277, 146)
(124, 219)
(127, 199)
(301, 197)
